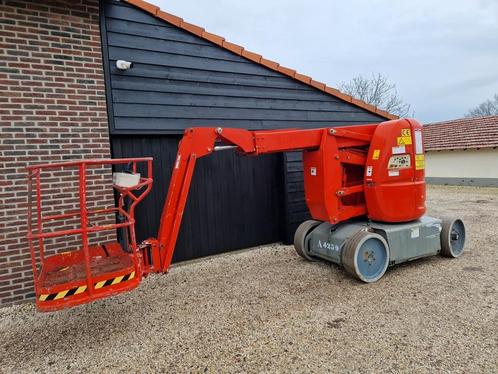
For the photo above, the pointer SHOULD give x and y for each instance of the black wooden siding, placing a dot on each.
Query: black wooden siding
(180, 80)
(234, 202)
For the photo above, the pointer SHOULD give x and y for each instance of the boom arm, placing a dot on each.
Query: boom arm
(199, 142)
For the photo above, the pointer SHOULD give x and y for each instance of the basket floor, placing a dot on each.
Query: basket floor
(69, 267)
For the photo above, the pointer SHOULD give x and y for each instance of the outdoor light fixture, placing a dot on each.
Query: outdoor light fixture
(124, 65)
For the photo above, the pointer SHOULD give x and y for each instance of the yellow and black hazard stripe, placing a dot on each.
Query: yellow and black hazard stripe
(62, 294)
(80, 289)
(112, 281)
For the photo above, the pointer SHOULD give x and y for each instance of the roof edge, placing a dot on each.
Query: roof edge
(239, 50)
(460, 148)
(464, 119)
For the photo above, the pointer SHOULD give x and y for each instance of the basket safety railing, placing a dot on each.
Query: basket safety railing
(38, 233)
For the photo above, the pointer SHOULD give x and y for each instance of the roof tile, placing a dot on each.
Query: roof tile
(369, 107)
(199, 31)
(303, 78)
(269, 63)
(287, 71)
(332, 91)
(251, 56)
(357, 101)
(192, 28)
(169, 18)
(478, 132)
(233, 47)
(148, 7)
(382, 112)
(344, 97)
(319, 85)
(213, 38)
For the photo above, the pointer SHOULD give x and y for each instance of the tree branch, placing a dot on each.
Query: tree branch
(377, 91)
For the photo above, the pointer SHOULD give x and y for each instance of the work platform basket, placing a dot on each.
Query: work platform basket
(84, 271)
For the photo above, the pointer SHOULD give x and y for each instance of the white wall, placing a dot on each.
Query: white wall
(472, 163)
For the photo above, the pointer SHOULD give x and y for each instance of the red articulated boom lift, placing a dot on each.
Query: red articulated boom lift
(364, 188)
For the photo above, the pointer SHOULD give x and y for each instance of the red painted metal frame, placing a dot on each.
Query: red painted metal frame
(334, 161)
(39, 235)
(332, 148)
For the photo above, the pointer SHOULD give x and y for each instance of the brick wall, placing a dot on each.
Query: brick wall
(52, 108)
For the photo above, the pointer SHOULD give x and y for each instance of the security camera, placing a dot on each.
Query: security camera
(124, 65)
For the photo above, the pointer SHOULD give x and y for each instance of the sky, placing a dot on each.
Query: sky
(441, 54)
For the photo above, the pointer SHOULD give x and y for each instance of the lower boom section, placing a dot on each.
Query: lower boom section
(366, 249)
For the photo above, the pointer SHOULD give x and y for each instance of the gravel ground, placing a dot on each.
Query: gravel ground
(266, 310)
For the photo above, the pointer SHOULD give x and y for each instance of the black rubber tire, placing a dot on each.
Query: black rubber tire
(300, 238)
(449, 247)
(351, 248)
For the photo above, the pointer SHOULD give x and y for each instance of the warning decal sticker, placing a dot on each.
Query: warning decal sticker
(405, 138)
(415, 233)
(376, 154)
(406, 132)
(399, 150)
(419, 162)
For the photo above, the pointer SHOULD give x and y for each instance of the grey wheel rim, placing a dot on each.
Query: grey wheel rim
(366, 256)
(452, 237)
(457, 237)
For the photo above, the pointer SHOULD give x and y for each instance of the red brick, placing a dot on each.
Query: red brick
(43, 119)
